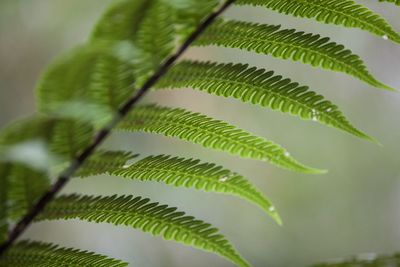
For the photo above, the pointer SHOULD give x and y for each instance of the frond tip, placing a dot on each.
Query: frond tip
(258, 87)
(339, 12)
(140, 213)
(191, 173)
(290, 44)
(36, 254)
(210, 133)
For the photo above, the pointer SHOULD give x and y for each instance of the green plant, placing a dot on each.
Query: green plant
(94, 89)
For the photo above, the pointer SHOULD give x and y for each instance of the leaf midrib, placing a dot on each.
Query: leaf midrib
(302, 2)
(234, 187)
(178, 123)
(79, 213)
(275, 93)
(342, 63)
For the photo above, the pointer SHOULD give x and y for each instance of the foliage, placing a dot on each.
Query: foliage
(345, 13)
(210, 133)
(35, 254)
(192, 173)
(371, 261)
(397, 2)
(84, 89)
(258, 87)
(271, 40)
(139, 213)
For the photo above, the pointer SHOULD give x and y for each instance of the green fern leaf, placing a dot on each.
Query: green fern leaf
(70, 137)
(93, 74)
(25, 187)
(155, 38)
(397, 2)
(191, 173)
(112, 80)
(288, 44)
(26, 129)
(258, 87)
(340, 12)
(96, 115)
(143, 29)
(121, 21)
(210, 133)
(360, 261)
(36, 254)
(65, 138)
(104, 162)
(176, 171)
(139, 213)
(4, 203)
(20, 187)
(189, 13)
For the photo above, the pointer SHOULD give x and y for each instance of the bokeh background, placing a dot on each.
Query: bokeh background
(353, 209)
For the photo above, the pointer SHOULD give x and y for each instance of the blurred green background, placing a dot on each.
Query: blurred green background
(353, 209)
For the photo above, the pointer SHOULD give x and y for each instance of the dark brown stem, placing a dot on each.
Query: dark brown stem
(65, 176)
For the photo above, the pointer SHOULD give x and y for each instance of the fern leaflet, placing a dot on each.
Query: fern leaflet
(36, 254)
(4, 203)
(259, 87)
(64, 137)
(25, 187)
(104, 162)
(155, 38)
(91, 73)
(377, 261)
(397, 2)
(139, 213)
(121, 21)
(146, 31)
(177, 171)
(191, 173)
(288, 44)
(340, 12)
(210, 133)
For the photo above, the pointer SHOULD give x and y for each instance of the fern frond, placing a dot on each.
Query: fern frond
(89, 113)
(37, 254)
(104, 162)
(146, 30)
(4, 202)
(155, 37)
(360, 261)
(397, 2)
(258, 87)
(189, 13)
(92, 73)
(192, 173)
(70, 137)
(139, 213)
(271, 40)
(112, 80)
(121, 21)
(340, 12)
(210, 133)
(26, 129)
(25, 187)
(64, 137)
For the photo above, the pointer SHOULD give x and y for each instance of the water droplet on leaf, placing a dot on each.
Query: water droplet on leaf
(227, 177)
(271, 209)
(314, 115)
